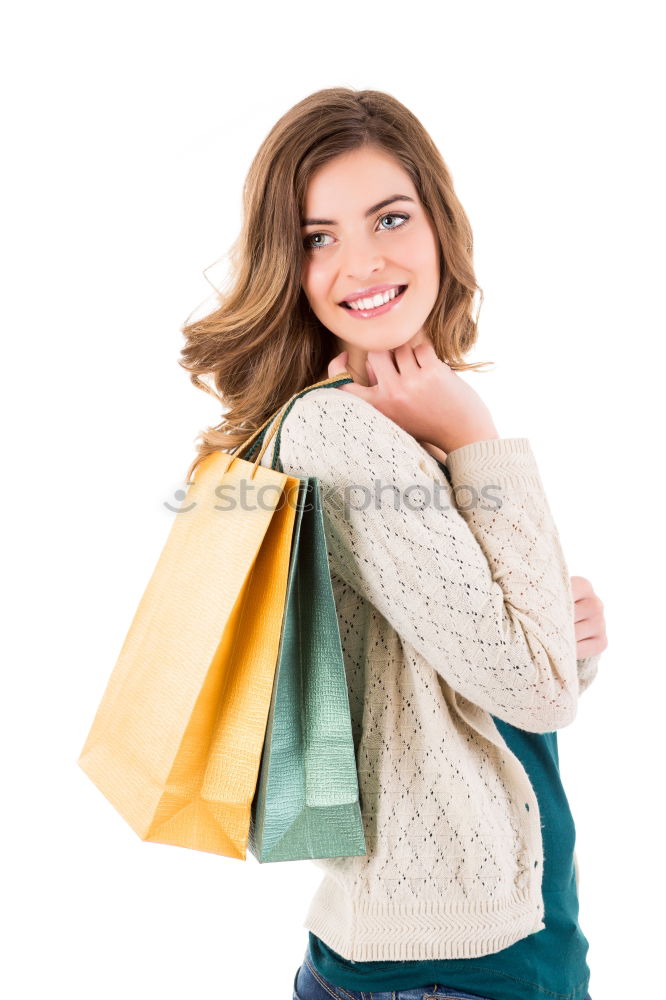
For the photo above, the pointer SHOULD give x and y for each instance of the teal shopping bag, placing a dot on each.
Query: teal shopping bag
(306, 803)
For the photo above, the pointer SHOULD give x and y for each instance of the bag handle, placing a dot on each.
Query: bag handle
(333, 380)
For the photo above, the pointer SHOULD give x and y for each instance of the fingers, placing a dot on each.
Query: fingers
(384, 367)
(590, 647)
(587, 607)
(405, 359)
(337, 364)
(589, 620)
(426, 354)
(580, 587)
(586, 628)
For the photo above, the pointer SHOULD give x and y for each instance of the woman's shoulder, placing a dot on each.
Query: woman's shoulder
(336, 412)
(320, 408)
(328, 418)
(344, 429)
(329, 399)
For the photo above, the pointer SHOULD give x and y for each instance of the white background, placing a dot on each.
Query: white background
(128, 131)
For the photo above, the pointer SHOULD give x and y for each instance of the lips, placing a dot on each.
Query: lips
(399, 289)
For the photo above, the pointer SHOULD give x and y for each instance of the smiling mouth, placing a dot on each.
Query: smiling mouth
(400, 291)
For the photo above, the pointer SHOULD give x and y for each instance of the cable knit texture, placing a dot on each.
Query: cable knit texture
(454, 604)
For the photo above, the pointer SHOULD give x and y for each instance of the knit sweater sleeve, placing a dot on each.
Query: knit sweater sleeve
(470, 574)
(587, 671)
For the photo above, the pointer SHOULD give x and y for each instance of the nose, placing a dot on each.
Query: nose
(361, 259)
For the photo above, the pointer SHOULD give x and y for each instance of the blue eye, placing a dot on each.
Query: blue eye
(388, 215)
(397, 215)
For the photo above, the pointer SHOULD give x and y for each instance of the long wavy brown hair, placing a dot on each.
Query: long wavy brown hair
(263, 342)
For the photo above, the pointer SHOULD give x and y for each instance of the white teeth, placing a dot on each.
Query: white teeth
(375, 300)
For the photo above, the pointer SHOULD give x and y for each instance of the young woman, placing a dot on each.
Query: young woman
(466, 642)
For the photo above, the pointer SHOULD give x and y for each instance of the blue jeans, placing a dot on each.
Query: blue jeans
(310, 985)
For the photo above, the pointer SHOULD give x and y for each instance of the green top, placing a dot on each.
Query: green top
(549, 962)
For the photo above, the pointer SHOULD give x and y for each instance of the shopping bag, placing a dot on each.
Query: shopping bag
(307, 800)
(176, 743)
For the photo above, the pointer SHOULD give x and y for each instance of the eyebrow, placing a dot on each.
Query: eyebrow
(370, 211)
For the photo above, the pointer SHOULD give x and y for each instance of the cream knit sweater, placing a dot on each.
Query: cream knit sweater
(453, 604)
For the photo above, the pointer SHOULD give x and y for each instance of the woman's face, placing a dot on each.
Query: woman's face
(352, 245)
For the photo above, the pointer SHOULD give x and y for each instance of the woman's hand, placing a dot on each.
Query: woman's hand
(589, 621)
(416, 390)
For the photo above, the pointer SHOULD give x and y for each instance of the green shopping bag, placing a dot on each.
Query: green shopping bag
(306, 803)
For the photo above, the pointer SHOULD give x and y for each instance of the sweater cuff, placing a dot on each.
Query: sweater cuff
(587, 668)
(500, 461)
